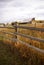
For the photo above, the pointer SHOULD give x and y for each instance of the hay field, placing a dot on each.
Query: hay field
(26, 55)
(6, 35)
(33, 33)
(37, 44)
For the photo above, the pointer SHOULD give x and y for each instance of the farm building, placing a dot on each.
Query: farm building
(20, 22)
(2, 24)
(37, 21)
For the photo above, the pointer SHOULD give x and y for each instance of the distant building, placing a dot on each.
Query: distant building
(14, 23)
(36, 21)
(2, 24)
(23, 23)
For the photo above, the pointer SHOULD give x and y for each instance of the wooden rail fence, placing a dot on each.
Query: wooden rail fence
(27, 36)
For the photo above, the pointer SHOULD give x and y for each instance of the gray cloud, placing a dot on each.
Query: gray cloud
(19, 3)
(2, 4)
(40, 7)
(20, 9)
(5, 0)
(40, 14)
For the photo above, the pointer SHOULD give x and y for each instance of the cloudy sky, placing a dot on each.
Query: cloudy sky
(11, 10)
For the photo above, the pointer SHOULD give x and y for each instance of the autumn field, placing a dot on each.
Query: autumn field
(15, 53)
(33, 33)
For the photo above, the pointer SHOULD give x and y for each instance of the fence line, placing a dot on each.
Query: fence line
(15, 40)
(30, 28)
(27, 36)
(25, 27)
(8, 27)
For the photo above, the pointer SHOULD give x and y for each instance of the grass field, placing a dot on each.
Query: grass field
(33, 33)
(19, 54)
(10, 55)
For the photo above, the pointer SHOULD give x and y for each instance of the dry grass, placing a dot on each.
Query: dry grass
(7, 35)
(9, 55)
(22, 55)
(33, 33)
(32, 42)
(28, 56)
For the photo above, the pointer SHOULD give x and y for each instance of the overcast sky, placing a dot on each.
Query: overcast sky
(11, 10)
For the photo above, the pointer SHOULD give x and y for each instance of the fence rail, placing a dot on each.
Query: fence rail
(22, 42)
(30, 28)
(26, 36)
(25, 27)
(7, 27)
